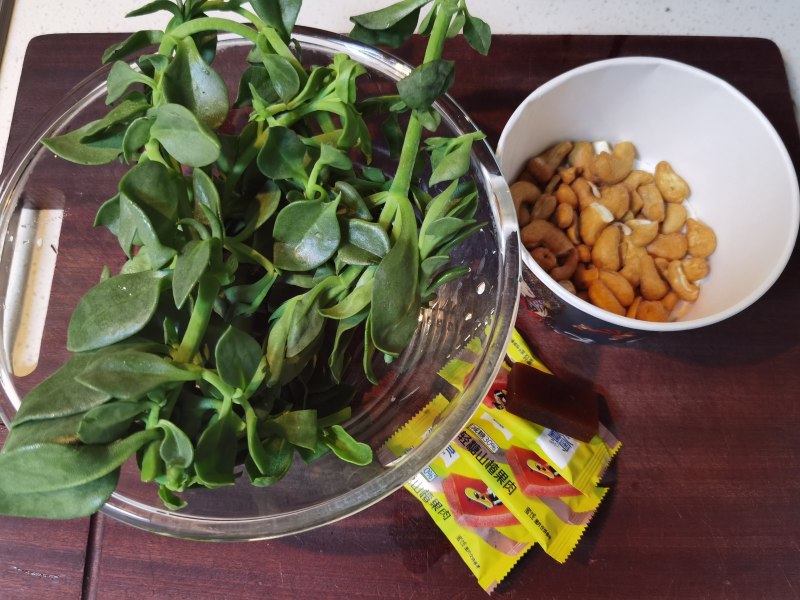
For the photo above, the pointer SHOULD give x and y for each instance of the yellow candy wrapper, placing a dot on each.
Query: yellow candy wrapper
(495, 495)
(519, 351)
(499, 459)
(414, 432)
(485, 533)
(580, 464)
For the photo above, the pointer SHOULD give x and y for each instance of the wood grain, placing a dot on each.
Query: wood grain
(41, 559)
(704, 493)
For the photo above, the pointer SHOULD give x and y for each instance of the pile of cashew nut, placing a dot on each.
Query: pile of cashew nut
(620, 238)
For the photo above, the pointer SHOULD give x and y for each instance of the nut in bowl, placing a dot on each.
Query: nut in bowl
(672, 124)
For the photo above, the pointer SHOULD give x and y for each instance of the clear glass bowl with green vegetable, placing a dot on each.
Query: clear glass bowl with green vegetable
(53, 253)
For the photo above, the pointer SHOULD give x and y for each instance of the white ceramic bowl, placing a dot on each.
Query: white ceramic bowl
(742, 179)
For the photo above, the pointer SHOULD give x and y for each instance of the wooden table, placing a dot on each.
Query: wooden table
(705, 491)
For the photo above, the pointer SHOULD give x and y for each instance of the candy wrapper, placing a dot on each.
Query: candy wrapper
(505, 484)
(496, 457)
(483, 531)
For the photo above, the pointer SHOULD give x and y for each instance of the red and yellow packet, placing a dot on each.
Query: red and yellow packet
(490, 449)
(484, 532)
(580, 464)
(504, 484)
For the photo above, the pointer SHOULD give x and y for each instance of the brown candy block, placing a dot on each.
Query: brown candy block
(551, 402)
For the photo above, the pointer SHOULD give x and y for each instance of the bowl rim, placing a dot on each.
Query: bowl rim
(171, 523)
(681, 325)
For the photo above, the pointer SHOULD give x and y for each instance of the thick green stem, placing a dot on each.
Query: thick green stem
(248, 253)
(151, 458)
(208, 287)
(408, 154)
(242, 162)
(214, 379)
(205, 24)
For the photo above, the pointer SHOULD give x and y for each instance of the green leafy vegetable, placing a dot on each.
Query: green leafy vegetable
(114, 310)
(191, 82)
(266, 263)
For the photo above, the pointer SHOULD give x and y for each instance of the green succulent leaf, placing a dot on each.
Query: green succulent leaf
(345, 446)
(108, 422)
(306, 235)
(389, 16)
(121, 77)
(478, 34)
(182, 135)
(420, 89)
(130, 374)
(392, 36)
(395, 292)
(98, 142)
(68, 466)
(114, 310)
(278, 455)
(133, 43)
(282, 75)
(193, 83)
(215, 454)
(189, 267)
(278, 14)
(283, 155)
(58, 430)
(237, 356)
(74, 397)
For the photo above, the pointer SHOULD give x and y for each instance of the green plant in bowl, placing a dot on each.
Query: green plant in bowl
(265, 247)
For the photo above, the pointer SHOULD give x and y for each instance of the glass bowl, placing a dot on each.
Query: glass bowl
(50, 255)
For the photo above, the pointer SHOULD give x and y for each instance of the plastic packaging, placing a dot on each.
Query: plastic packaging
(487, 535)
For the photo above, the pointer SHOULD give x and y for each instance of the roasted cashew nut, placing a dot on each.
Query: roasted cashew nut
(545, 258)
(581, 157)
(544, 207)
(652, 310)
(652, 202)
(695, 267)
(671, 246)
(567, 268)
(637, 178)
(583, 192)
(525, 194)
(543, 233)
(544, 166)
(617, 199)
(606, 250)
(610, 168)
(674, 218)
(652, 286)
(593, 219)
(604, 298)
(680, 284)
(701, 238)
(566, 195)
(619, 286)
(671, 185)
(643, 231)
(565, 215)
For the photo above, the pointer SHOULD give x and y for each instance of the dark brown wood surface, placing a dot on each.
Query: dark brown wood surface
(705, 499)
